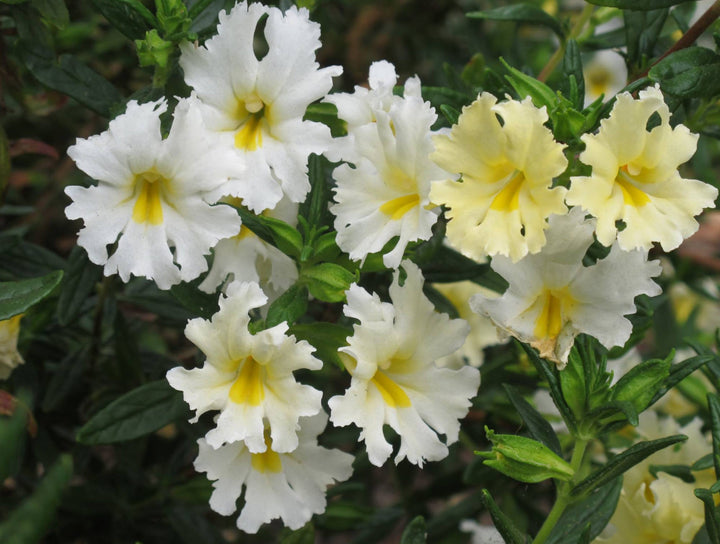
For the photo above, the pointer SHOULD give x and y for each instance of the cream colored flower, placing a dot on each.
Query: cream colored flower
(635, 176)
(248, 377)
(552, 297)
(386, 193)
(500, 204)
(661, 508)
(9, 355)
(154, 195)
(391, 357)
(286, 485)
(257, 105)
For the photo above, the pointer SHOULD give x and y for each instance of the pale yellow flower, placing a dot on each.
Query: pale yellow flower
(635, 176)
(9, 356)
(504, 196)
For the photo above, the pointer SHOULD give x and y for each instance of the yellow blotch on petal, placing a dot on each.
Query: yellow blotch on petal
(251, 114)
(249, 136)
(248, 387)
(555, 305)
(149, 188)
(631, 194)
(267, 461)
(398, 207)
(508, 199)
(392, 393)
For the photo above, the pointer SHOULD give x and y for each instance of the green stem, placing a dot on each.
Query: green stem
(574, 33)
(563, 497)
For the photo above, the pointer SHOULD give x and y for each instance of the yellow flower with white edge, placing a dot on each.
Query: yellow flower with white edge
(552, 297)
(9, 355)
(286, 485)
(248, 377)
(154, 196)
(660, 507)
(504, 195)
(635, 176)
(257, 105)
(395, 381)
(387, 192)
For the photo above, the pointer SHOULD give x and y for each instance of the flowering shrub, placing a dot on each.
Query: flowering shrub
(452, 280)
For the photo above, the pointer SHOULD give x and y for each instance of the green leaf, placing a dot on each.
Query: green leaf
(12, 432)
(137, 413)
(525, 85)
(274, 231)
(17, 296)
(326, 338)
(315, 208)
(415, 532)
(538, 426)
(596, 509)
(78, 283)
(198, 303)
(5, 162)
(304, 535)
(521, 13)
(28, 523)
(573, 71)
(680, 371)
(682, 472)
(705, 462)
(130, 17)
(327, 281)
(637, 4)
(53, 11)
(504, 525)
(447, 265)
(714, 405)
(642, 29)
(288, 307)
(450, 113)
(689, 73)
(642, 382)
(68, 375)
(712, 519)
(624, 461)
(327, 114)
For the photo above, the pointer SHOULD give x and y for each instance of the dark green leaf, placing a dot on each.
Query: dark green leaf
(642, 382)
(521, 13)
(624, 461)
(327, 281)
(315, 208)
(17, 296)
(689, 73)
(714, 405)
(447, 265)
(538, 426)
(78, 283)
(450, 113)
(376, 528)
(288, 307)
(28, 523)
(191, 526)
(130, 17)
(525, 85)
(198, 303)
(12, 432)
(274, 231)
(327, 114)
(67, 376)
(438, 96)
(705, 462)
(304, 535)
(326, 338)
(637, 4)
(679, 372)
(53, 11)
(503, 524)
(137, 413)
(683, 472)
(642, 29)
(712, 519)
(573, 71)
(415, 532)
(596, 509)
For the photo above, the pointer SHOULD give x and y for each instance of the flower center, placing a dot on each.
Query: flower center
(508, 199)
(392, 393)
(398, 207)
(251, 112)
(555, 305)
(267, 461)
(631, 194)
(248, 387)
(149, 188)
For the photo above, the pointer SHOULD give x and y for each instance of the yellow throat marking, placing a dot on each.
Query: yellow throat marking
(392, 393)
(508, 199)
(248, 387)
(555, 306)
(631, 194)
(267, 461)
(251, 114)
(149, 188)
(398, 207)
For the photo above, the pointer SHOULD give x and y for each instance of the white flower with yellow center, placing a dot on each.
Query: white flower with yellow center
(286, 485)
(661, 507)
(395, 381)
(245, 257)
(635, 176)
(605, 74)
(258, 105)
(9, 355)
(552, 297)
(386, 194)
(248, 377)
(153, 196)
(500, 204)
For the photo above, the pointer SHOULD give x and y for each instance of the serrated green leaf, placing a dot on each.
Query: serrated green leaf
(18, 296)
(288, 307)
(137, 413)
(504, 525)
(623, 462)
(596, 509)
(521, 13)
(327, 281)
(537, 425)
(78, 283)
(415, 532)
(689, 73)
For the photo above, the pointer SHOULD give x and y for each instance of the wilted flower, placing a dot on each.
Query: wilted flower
(395, 380)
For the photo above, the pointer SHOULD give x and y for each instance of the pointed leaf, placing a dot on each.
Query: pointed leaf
(538, 426)
(503, 524)
(288, 307)
(17, 296)
(521, 13)
(415, 532)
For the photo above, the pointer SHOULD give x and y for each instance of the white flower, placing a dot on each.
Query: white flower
(153, 196)
(248, 377)
(481, 534)
(483, 332)
(661, 508)
(258, 105)
(386, 193)
(552, 297)
(246, 257)
(290, 486)
(395, 381)
(9, 355)
(605, 73)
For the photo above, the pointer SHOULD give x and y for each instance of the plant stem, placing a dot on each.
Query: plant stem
(563, 499)
(694, 32)
(574, 33)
